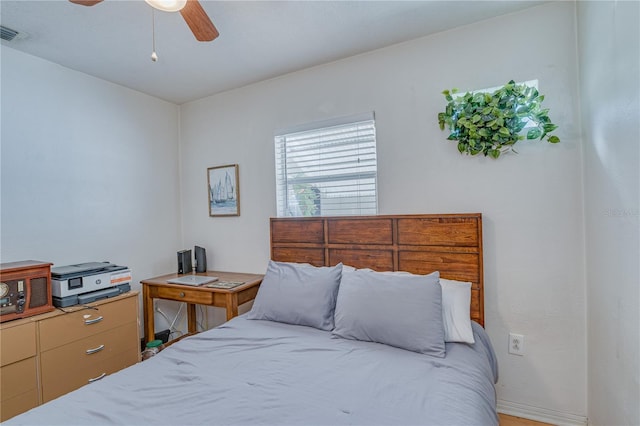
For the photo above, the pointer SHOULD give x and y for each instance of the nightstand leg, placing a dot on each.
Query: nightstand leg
(147, 307)
(191, 318)
(232, 305)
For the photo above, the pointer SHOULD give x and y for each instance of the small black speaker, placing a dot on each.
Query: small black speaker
(201, 259)
(184, 262)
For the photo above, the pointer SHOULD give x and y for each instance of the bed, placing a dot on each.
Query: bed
(293, 361)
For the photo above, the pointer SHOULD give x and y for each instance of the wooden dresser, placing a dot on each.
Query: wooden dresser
(18, 367)
(48, 355)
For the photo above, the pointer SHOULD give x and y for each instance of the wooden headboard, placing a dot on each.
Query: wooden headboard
(420, 244)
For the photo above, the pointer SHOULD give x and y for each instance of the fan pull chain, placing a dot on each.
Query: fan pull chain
(154, 55)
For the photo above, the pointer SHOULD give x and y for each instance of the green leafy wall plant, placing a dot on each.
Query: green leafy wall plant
(491, 123)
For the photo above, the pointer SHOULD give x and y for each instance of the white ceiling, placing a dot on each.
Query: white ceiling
(258, 39)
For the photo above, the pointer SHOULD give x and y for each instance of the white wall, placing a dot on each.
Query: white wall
(609, 52)
(531, 202)
(89, 170)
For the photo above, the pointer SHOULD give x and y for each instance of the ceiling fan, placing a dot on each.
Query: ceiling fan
(191, 10)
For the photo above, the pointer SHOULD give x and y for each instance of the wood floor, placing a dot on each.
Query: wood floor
(518, 421)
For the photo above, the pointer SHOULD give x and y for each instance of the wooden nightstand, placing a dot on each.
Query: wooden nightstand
(230, 299)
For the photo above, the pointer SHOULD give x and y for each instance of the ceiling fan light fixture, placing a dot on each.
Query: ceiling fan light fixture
(167, 5)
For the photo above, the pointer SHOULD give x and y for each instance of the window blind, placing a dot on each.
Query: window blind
(328, 171)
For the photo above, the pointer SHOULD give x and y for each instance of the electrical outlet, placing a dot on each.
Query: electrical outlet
(516, 344)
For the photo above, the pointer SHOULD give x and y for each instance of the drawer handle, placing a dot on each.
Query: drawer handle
(181, 294)
(95, 379)
(94, 350)
(93, 321)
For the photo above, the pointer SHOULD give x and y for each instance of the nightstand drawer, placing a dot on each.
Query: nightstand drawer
(77, 325)
(183, 295)
(17, 342)
(68, 367)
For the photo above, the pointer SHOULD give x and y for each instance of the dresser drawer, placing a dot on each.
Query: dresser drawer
(83, 376)
(18, 387)
(17, 342)
(18, 404)
(68, 367)
(63, 329)
(18, 378)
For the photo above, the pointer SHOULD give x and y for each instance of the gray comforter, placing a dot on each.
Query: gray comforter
(266, 373)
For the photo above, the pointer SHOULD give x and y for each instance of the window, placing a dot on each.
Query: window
(329, 169)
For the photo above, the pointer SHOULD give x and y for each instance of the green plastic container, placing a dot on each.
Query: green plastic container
(153, 347)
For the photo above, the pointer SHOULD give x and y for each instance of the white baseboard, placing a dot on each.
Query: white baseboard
(540, 414)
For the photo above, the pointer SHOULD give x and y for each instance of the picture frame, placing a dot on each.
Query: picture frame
(223, 184)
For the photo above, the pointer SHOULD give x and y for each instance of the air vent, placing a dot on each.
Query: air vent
(7, 33)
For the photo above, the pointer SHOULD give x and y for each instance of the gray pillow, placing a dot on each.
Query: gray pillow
(298, 294)
(404, 311)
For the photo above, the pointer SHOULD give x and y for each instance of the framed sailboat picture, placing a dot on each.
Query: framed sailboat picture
(224, 190)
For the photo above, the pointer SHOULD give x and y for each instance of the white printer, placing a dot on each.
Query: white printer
(88, 282)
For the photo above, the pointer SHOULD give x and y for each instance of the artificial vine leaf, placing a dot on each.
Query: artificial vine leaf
(534, 134)
(491, 123)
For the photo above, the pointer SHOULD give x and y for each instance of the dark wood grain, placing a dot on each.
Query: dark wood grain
(367, 231)
(314, 256)
(420, 244)
(441, 231)
(292, 231)
(379, 260)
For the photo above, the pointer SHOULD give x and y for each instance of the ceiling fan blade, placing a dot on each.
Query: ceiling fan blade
(86, 2)
(198, 21)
